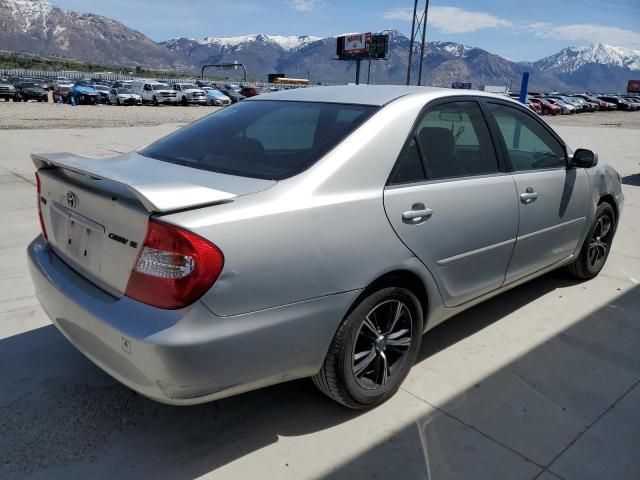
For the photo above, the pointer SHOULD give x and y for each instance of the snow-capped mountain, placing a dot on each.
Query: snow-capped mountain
(598, 67)
(287, 42)
(572, 59)
(313, 57)
(40, 27)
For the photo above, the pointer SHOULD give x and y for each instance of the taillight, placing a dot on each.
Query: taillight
(40, 200)
(175, 267)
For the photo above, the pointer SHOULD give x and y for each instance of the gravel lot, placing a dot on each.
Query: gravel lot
(613, 119)
(34, 115)
(543, 380)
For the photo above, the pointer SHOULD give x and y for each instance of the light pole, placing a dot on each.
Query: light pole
(225, 65)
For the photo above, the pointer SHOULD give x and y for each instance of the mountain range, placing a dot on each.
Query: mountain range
(39, 27)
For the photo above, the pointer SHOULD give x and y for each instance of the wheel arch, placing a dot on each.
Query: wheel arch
(397, 278)
(608, 198)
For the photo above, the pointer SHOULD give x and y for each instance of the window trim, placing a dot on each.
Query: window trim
(503, 166)
(499, 139)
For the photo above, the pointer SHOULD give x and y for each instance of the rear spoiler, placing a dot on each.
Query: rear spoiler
(159, 186)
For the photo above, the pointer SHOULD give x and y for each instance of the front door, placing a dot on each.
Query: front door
(553, 199)
(451, 202)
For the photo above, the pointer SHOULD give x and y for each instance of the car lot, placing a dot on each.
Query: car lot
(542, 379)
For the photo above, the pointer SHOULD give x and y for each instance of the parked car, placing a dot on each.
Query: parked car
(634, 101)
(83, 93)
(187, 93)
(620, 103)
(155, 93)
(103, 92)
(249, 92)
(124, 95)
(547, 107)
(61, 91)
(7, 91)
(312, 233)
(216, 97)
(602, 105)
(121, 83)
(44, 83)
(567, 109)
(233, 95)
(579, 106)
(203, 83)
(534, 106)
(31, 91)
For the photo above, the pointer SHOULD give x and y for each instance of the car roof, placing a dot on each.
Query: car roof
(361, 94)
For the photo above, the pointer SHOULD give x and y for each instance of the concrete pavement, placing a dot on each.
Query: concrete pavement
(538, 383)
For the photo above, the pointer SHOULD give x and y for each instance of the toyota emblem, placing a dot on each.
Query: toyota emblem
(72, 199)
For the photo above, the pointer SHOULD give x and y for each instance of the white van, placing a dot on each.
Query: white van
(154, 92)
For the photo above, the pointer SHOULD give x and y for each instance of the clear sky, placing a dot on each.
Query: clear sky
(515, 29)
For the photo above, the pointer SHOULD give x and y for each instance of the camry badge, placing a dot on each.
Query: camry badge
(72, 199)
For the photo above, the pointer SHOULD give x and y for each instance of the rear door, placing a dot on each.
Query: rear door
(451, 201)
(553, 199)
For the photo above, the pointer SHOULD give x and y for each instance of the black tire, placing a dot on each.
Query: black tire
(6, 99)
(155, 101)
(25, 99)
(596, 247)
(118, 102)
(184, 101)
(384, 372)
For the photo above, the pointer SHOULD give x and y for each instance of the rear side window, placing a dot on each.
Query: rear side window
(454, 140)
(266, 139)
(530, 145)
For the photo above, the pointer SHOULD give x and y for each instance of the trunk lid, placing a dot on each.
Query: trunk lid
(95, 211)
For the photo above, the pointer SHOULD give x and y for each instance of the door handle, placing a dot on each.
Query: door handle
(529, 196)
(418, 214)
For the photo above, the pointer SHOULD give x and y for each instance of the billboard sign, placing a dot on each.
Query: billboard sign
(362, 45)
(633, 86)
(357, 44)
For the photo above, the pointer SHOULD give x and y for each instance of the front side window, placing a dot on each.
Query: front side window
(530, 145)
(266, 139)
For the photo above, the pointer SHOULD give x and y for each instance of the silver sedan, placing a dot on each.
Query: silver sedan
(310, 233)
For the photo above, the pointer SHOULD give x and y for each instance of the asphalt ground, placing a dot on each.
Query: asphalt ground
(541, 382)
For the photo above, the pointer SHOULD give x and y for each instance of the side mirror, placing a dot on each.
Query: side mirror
(583, 158)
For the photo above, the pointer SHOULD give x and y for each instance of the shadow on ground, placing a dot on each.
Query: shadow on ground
(61, 417)
(566, 407)
(632, 180)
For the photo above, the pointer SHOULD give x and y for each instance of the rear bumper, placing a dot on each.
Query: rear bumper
(188, 356)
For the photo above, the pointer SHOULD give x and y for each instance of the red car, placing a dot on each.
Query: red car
(535, 107)
(251, 91)
(546, 107)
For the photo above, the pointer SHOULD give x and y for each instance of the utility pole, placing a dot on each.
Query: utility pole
(418, 26)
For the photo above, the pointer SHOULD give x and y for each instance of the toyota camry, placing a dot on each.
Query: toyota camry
(314, 232)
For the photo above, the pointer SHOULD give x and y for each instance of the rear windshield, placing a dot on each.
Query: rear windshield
(267, 139)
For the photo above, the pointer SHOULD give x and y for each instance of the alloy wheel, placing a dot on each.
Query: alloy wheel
(600, 241)
(382, 344)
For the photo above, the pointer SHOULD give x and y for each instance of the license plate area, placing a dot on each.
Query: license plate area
(78, 237)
